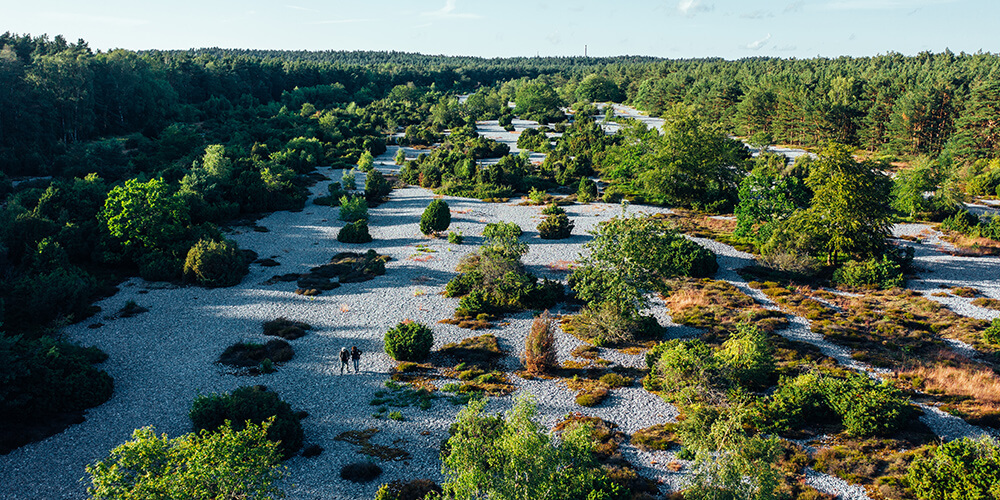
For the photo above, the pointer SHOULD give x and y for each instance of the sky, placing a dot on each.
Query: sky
(731, 29)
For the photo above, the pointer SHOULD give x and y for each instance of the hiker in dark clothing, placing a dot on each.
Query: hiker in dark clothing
(356, 356)
(344, 357)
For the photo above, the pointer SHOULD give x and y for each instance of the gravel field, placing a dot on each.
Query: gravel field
(161, 360)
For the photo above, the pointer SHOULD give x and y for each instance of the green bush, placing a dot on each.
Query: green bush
(436, 217)
(555, 227)
(992, 333)
(249, 404)
(348, 180)
(884, 274)
(376, 187)
(477, 302)
(587, 191)
(866, 407)
(502, 229)
(682, 369)
(409, 341)
(553, 209)
(215, 264)
(960, 469)
(355, 232)
(746, 358)
(353, 208)
(794, 403)
(455, 238)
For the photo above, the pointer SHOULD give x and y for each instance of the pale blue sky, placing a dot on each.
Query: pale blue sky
(667, 28)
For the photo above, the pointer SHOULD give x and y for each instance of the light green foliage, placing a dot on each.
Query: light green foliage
(400, 157)
(144, 215)
(766, 197)
(682, 369)
(598, 88)
(630, 256)
(223, 464)
(215, 264)
(455, 238)
(884, 273)
(365, 163)
(409, 341)
(746, 357)
(958, 470)
(537, 101)
(910, 185)
(353, 208)
(347, 181)
(992, 333)
(513, 458)
(502, 228)
(728, 461)
(851, 200)
(436, 217)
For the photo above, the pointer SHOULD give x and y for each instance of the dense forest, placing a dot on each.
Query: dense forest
(121, 163)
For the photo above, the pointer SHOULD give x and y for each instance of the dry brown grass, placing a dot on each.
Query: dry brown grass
(970, 245)
(717, 306)
(966, 379)
(987, 303)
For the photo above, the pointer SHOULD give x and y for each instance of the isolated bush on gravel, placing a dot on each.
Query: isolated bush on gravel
(409, 341)
(253, 404)
(555, 227)
(540, 346)
(376, 187)
(355, 232)
(587, 191)
(436, 217)
(215, 264)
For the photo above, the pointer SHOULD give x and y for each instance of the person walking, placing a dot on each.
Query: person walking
(344, 357)
(356, 356)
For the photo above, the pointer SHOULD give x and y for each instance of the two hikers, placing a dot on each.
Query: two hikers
(346, 356)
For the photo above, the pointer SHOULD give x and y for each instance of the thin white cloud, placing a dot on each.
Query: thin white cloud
(882, 4)
(304, 9)
(448, 12)
(757, 44)
(689, 7)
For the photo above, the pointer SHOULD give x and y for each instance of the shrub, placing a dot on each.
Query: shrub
(477, 302)
(348, 180)
(795, 402)
(883, 274)
(366, 163)
(587, 192)
(436, 217)
(614, 380)
(539, 347)
(963, 468)
(376, 187)
(746, 357)
(355, 232)
(353, 208)
(992, 333)
(160, 266)
(249, 404)
(552, 209)
(360, 472)
(502, 229)
(246, 355)
(227, 463)
(409, 341)
(555, 227)
(215, 264)
(416, 489)
(285, 328)
(455, 238)
(683, 369)
(603, 324)
(400, 157)
(866, 408)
